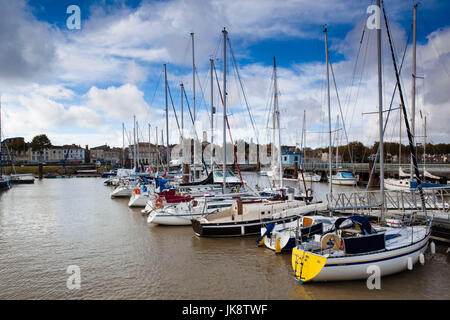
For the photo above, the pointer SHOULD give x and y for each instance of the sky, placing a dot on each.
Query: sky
(79, 85)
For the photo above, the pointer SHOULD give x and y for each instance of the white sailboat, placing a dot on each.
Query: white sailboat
(247, 217)
(309, 177)
(181, 214)
(348, 253)
(282, 236)
(306, 176)
(342, 177)
(354, 245)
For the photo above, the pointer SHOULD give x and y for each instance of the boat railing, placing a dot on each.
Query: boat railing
(437, 200)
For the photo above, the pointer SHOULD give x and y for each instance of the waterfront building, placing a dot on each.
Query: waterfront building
(149, 153)
(73, 153)
(289, 158)
(50, 155)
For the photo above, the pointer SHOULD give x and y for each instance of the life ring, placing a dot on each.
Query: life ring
(159, 203)
(336, 241)
(137, 191)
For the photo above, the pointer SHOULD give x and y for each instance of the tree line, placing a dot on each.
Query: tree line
(362, 153)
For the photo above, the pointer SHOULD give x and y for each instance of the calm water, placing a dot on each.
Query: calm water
(55, 223)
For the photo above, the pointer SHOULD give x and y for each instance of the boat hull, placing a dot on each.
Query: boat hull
(313, 178)
(162, 218)
(138, 200)
(22, 179)
(314, 267)
(344, 182)
(234, 229)
(4, 185)
(250, 227)
(121, 192)
(395, 185)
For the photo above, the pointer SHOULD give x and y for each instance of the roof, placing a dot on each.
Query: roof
(73, 146)
(290, 153)
(102, 147)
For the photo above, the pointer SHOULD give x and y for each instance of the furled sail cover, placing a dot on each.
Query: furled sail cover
(361, 221)
(431, 176)
(402, 173)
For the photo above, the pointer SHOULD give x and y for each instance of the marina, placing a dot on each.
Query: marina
(244, 173)
(121, 256)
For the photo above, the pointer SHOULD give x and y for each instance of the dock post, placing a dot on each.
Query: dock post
(40, 170)
(185, 173)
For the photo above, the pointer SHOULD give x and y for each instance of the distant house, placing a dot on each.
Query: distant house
(73, 153)
(149, 153)
(14, 150)
(51, 155)
(289, 158)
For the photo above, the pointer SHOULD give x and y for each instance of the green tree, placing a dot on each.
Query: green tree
(40, 143)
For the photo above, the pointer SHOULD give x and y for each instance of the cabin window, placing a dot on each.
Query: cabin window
(262, 212)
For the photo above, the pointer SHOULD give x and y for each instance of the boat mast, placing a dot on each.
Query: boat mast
(224, 169)
(211, 66)
(330, 188)
(194, 113)
(137, 145)
(123, 145)
(149, 146)
(380, 116)
(337, 142)
(162, 143)
(134, 142)
(413, 86)
(276, 113)
(167, 118)
(182, 124)
(400, 145)
(157, 150)
(411, 138)
(424, 144)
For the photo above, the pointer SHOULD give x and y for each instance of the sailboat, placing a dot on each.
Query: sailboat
(246, 217)
(354, 244)
(306, 176)
(342, 177)
(405, 182)
(283, 236)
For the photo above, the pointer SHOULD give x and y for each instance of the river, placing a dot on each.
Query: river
(57, 223)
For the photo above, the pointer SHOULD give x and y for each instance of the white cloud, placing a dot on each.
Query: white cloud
(118, 102)
(93, 78)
